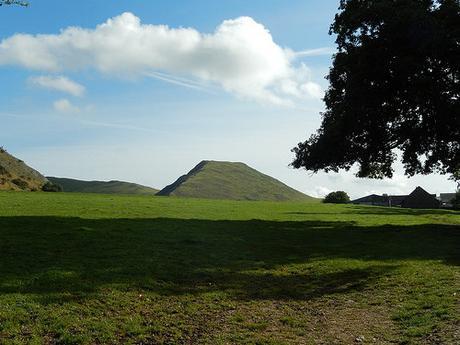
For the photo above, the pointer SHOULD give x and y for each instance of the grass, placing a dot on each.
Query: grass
(104, 269)
(233, 181)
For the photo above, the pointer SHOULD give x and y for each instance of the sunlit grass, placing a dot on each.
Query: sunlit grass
(84, 269)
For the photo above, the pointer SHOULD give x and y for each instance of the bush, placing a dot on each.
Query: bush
(20, 183)
(3, 170)
(51, 187)
(339, 197)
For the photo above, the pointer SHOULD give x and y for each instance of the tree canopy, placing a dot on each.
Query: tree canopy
(338, 197)
(13, 2)
(394, 87)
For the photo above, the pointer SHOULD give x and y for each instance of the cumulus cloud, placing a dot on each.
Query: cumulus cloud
(65, 106)
(320, 192)
(240, 56)
(59, 83)
(399, 184)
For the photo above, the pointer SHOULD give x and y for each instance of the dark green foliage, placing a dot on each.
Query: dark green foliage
(13, 2)
(394, 84)
(339, 197)
(51, 187)
(21, 183)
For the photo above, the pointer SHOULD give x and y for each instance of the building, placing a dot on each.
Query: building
(446, 199)
(380, 200)
(373, 200)
(419, 198)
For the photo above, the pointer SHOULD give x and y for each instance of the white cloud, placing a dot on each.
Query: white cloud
(328, 51)
(240, 56)
(59, 83)
(65, 106)
(320, 192)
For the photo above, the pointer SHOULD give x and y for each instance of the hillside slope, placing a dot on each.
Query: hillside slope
(16, 175)
(110, 187)
(228, 180)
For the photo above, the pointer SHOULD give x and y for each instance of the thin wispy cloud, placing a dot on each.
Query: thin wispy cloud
(65, 106)
(188, 83)
(325, 51)
(240, 56)
(58, 83)
(11, 115)
(117, 126)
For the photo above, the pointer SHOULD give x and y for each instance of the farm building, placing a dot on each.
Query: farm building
(446, 199)
(419, 198)
(380, 200)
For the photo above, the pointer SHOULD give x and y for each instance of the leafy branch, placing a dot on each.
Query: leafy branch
(13, 2)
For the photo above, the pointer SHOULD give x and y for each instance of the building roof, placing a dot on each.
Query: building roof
(447, 197)
(373, 198)
(420, 198)
(390, 200)
(397, 200)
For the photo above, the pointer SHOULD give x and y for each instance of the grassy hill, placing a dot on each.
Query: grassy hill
(16, 175)
(110, 187)
(87, 269)
(234, 181)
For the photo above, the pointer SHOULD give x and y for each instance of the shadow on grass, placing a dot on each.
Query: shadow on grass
(380, 210)
(254, 259)
(376, 210)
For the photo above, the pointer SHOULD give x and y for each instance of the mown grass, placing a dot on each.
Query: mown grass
(100, 269)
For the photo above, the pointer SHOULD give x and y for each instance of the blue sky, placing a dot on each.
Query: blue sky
(134, 100)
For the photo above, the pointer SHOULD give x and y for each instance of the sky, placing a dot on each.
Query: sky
(142, 91)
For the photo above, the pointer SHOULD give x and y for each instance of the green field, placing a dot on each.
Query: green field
(104, 269)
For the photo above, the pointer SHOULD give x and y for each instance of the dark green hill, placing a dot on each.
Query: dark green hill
(228, 180)
(110, 187)
(16, 175)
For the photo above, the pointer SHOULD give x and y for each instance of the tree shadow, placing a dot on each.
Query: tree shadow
(52, 256)
(377, 210)
(380, 210)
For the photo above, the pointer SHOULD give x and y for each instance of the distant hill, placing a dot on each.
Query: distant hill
(228, 180)
(109, 187)
(16, 175)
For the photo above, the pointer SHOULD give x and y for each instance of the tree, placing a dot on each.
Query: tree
(52, 187)
(394, 87)
(339, 197)
(13, 2)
